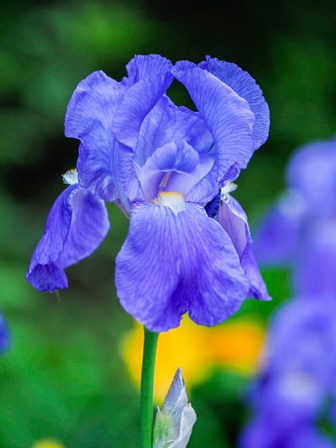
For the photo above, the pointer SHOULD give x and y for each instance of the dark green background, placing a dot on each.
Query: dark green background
(63, 376)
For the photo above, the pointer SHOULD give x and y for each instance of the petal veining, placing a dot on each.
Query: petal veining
(144, 66)
(246, 87)
(172, 263)
(229, 120)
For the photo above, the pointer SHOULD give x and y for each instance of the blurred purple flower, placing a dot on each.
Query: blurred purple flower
(300, 229)
(297, 377)
(4, 335)
(161, 164)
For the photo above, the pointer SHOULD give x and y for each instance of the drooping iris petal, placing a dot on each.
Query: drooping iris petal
(89, 118)
(278, 235)
(312, 173)
(233, 219)
(76, 225)
(4, 334)
(175, 260)
(230, 122)
(246, 87)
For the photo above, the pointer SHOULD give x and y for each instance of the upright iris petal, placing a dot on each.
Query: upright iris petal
(231, 131)
(141, 67)
(88, 118)
(246, 87)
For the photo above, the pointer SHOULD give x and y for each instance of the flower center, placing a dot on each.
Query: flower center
(175, 201)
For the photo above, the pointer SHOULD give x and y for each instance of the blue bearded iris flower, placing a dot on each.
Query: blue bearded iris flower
(162, 165)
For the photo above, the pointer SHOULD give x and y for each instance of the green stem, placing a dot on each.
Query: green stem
(147, 383)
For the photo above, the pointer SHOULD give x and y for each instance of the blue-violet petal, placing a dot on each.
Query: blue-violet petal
(246, 87)
(76, 225)
(89, 118)
(176, 260)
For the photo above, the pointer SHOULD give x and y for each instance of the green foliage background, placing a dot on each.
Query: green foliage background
(63, 376)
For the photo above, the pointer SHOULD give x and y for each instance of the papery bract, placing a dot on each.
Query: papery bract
(174, 423)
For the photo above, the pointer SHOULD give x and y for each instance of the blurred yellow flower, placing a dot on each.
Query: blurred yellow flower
(235, 345)
(48, 443)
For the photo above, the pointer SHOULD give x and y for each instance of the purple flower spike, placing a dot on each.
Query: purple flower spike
(162, 165)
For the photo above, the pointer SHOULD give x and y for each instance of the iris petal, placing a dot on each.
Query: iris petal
(246, 87)
(88, 118)
(144, 66)
(230, 122)
(233, 219)
(76, 225)
(176, 260)
(136, 104)
(167, 123)
(170, 161)
(138, 101)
